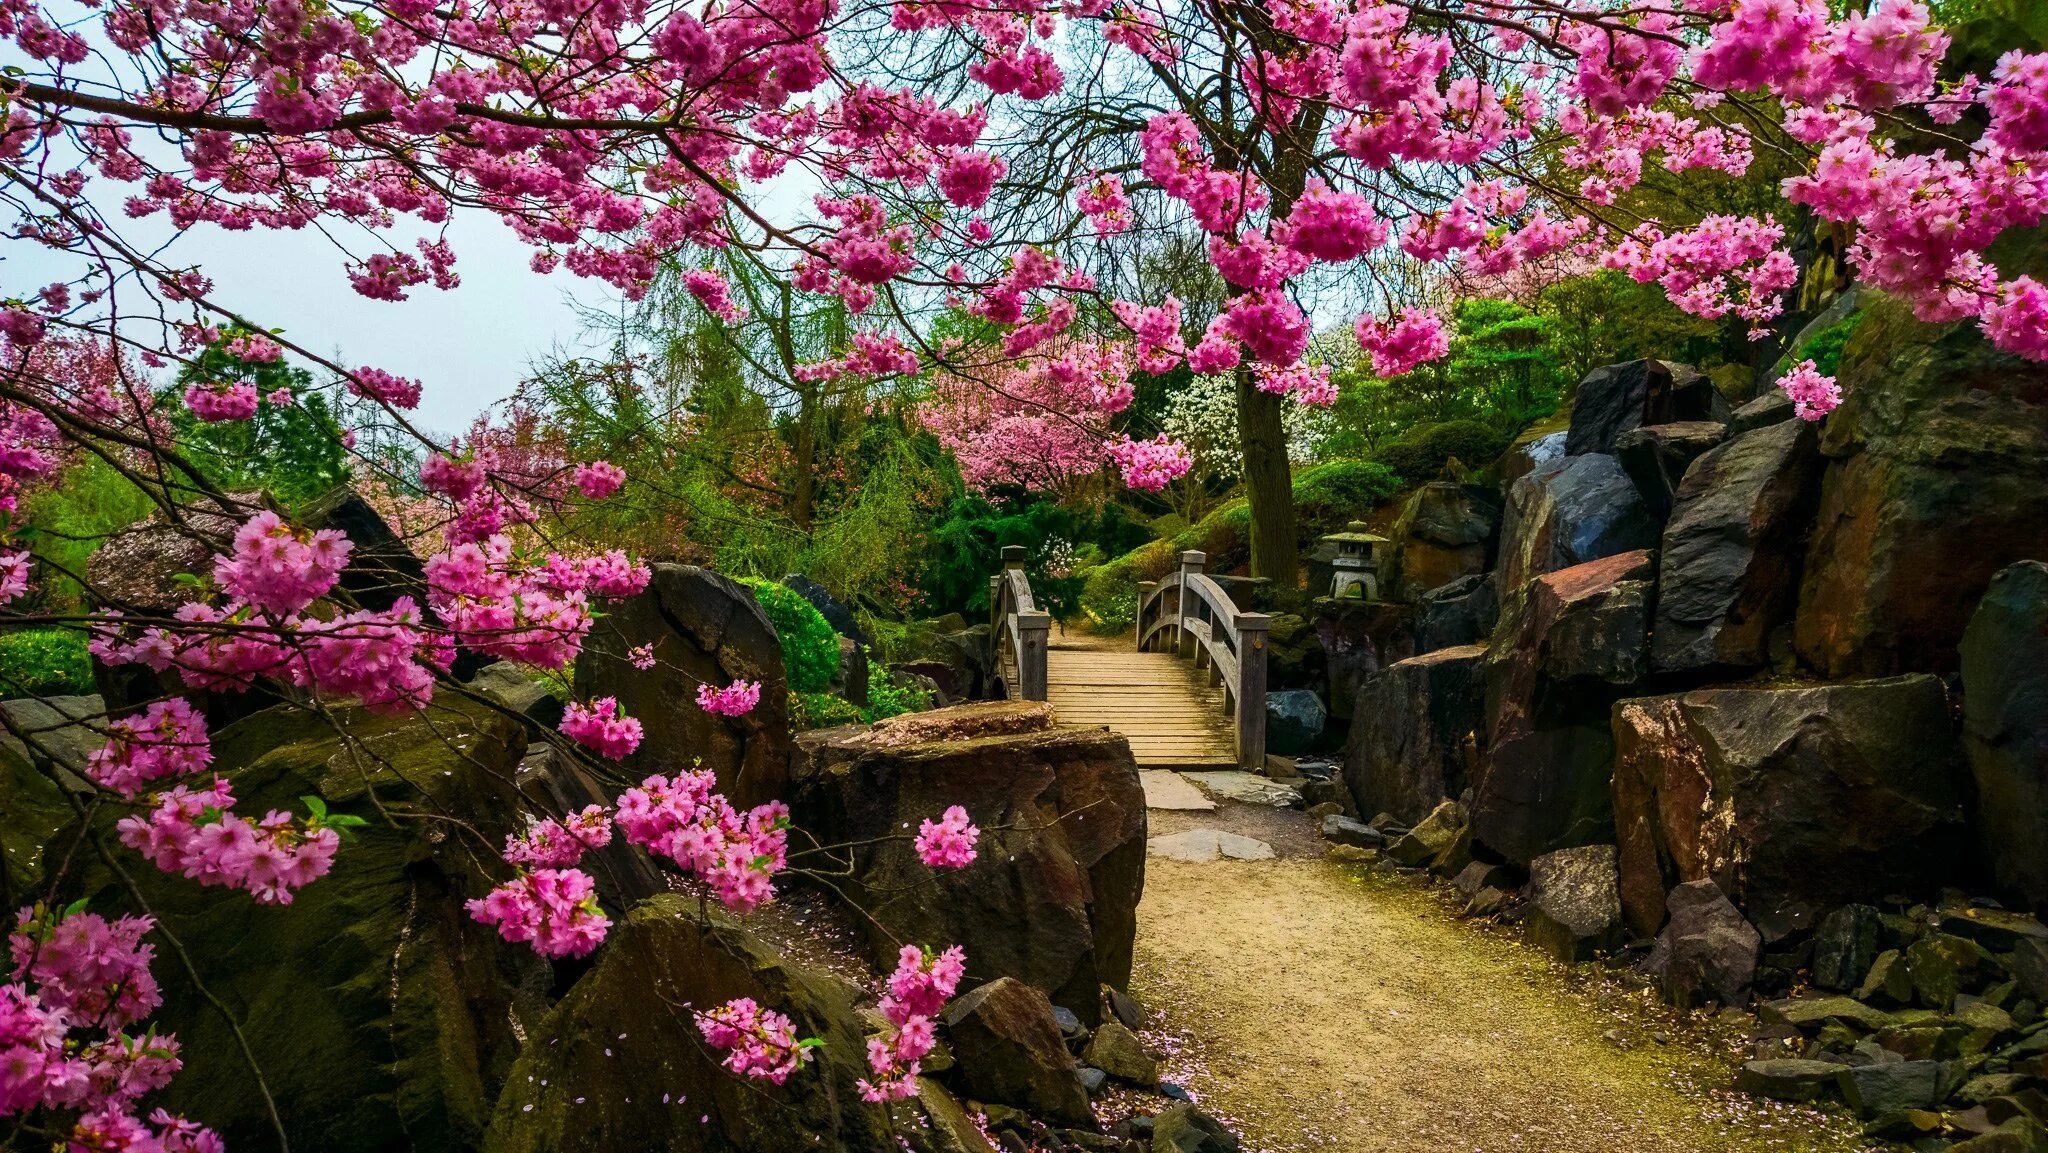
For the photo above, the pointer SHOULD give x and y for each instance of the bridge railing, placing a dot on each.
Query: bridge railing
(1192, 613)
(1018, 629)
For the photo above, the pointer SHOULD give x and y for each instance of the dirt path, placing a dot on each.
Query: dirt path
(1323, 1008)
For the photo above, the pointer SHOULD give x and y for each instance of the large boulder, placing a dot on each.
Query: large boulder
(1728, 572)
(35, 776)
(1793, 800)
(1706, 952)
(1415, 733)
(1567, 645)
(1051, 898)
(1446, 531)
(1574, 914)
(1462, 612)
(1008, 1048)
(1619, 397)
(382, 1017)
(1937, 460)
(553, 780)
(704, 629)
(1358, 638)
(1656, 456)
(1294, 721)
(619, 1065)
(2005, 728)
(1568, 512)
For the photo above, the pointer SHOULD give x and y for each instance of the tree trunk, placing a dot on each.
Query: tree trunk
(1268, 485)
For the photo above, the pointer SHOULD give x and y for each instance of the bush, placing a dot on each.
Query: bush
(1109, 591)
(810, 649)
(1419, 455)
(44, 662)
(1329, 495)
(820, 711)
(1824, 348)
(890, 696)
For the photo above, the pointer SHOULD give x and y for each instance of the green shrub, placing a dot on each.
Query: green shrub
(889, 696)
(44, 662)
(1109, 591)
(1824, 348)
(820, 711)
(810, 649)
(1419, 455)
(1329, 495)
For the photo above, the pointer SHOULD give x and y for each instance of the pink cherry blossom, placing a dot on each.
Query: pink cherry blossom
(167, 739)
(1416, 337)
(758, 1042)
(601, 727)
(599, 479)
(1813, 395)
(553, 909)
(735, 699)
(948, 843)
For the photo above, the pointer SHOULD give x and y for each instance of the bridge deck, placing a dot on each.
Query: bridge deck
(1164, 706)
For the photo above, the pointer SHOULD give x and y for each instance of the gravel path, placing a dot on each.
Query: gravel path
(1321, 1008)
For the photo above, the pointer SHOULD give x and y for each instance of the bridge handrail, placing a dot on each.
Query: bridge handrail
(1205, 625)
(1018, 628)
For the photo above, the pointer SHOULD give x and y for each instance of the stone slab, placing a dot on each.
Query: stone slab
(1250, 788)
(1201, 845)
(1165, 789)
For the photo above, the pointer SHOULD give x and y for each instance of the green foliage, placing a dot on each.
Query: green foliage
(1109, 591)
(965, 549)
(1329, 495)
(64, 524)
(810, 649)
(809, 711)
(1419, 455)
(293, 451)
(891, 696)
(44, 662)
(1824, 348)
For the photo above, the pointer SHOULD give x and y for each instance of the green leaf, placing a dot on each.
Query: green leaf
(316, 806)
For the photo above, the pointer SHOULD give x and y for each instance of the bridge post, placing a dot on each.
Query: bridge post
(1251, 689)
(995, 605)
(1191, 563)
(1033, 629)
(1146, 591)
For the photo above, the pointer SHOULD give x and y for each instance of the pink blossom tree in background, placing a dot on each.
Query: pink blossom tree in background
(1311, 144)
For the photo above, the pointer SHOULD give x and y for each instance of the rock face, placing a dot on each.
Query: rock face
(1294, 721)
(1051, 898)
(1656, 456)
(1359, 638)
(1007, 1048)
(1462, 612)
(1619, 397)
(551, 781)
(1568, 512)
(1574, 913)
(1415, 733)
(1728, 572)
(618, 1065)
(2005, 728)
(1446, 531)
(1845, 946)
(412, 1008)
(1566, 646)
(1706, 952)
(704, 628)
(1937, 461)
(1792, 800)
(32, 805)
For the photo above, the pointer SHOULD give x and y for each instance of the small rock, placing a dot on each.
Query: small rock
(1250, 788)
(1342, 830)
(1486, 902)
(1872, 1090)
(1353, 855)
(1128, 1010)
(1888, 981)
(1009, 1050)
(2018, 1135)
(1845, 945)
(1939, 964)
(1117, 1051)
(1903, 1124)
(1069, 1022)
(1788, 1079)
(1172, 1090)
(1575, 908)
(1812, 1012)
(1479, 875)
(1434, 836)
(1092, 1079)
(1984, 1087)
(1169, 790)
(1317, 810)
(1706, 952)
(2028, 964)
(1186, 1129)
(1995, 929)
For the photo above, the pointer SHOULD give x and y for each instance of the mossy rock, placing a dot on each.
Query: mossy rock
(380, 1016)
(33, 807)
(619, 1065)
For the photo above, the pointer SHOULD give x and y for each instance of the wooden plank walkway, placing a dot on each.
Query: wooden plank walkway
(1164, 706)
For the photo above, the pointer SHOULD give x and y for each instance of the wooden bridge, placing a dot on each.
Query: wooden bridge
(1187, 687)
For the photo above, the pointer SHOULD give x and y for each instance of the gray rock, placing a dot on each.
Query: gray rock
(1656, 456)
(1182, 1128)
(1294, 721)
(1460, 613)
(1008, 1049)
(1574, 908)
(2028, 963)
(1445, 532)
(1845, 945)
(1619, 397)
(1117, 1051)
(1093, 1079)
(1128, 1010)
(508, 686)
(1728, 569)
(1773, 407)
(1339, 829)
(1706, 952)
(1432, 837)
(1479, 875)
(1568, 512)
(2005, 728)
(2020, 1134)
(1249, 788)
(1996, 929)
(1874, 1090)
(32, 804)
(1813, 1012)
(1486, 902)
(1199, 845)
(1415, 733)
(1788, 1079)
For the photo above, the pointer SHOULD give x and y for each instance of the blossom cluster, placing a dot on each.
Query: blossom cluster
(602, 727)
(758, 1042)
(735, 699)
(917, 991)
(1414, 338)
(167, 739)
(195, 832)
(947, 843)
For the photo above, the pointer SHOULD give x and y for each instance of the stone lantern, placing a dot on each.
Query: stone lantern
(1355, 571)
